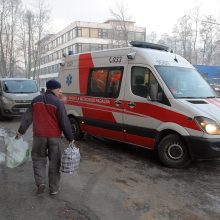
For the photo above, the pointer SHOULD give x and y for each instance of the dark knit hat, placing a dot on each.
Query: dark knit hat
(53, 84)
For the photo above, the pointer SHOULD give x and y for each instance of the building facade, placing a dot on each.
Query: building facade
(81, 37)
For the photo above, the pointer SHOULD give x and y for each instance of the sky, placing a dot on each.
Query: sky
(158, 16)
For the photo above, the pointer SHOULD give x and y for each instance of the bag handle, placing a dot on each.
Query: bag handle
(72, 145)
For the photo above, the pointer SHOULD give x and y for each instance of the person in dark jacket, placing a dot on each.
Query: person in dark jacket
(49, 117)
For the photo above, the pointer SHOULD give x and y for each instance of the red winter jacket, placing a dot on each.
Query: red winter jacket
(49, 117)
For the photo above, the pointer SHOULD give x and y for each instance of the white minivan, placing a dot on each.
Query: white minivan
(16, 95)
(146, 96)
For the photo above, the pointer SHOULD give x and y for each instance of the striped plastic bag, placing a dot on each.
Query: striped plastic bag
(70, 159)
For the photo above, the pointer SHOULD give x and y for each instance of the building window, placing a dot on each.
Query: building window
(94, 33)
(74, 48)
(104, 33)
(78, 48)
(69, 37)
(63, 37)
(94, 47)
(73, 33)
(85, 47)
(85, 32)
(79, 32)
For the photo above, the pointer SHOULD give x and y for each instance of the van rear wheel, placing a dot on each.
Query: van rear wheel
(173, 152)
(78, 134)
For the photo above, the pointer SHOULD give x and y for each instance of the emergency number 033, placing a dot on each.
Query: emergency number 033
(115, 59)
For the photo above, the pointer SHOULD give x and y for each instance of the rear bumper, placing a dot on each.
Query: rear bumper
(203, 148)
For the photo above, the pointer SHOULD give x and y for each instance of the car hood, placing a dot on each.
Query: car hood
(209, 107)
(21, 96)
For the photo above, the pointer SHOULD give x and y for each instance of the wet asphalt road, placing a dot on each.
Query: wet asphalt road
(115, 181)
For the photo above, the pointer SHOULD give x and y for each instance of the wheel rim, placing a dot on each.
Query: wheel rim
(175, 151)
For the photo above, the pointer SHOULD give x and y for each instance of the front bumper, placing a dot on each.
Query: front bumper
(15, 110)
(203, 148)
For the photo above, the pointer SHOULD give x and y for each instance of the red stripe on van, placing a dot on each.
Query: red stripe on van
(117, 135)
(141, 110)
(85, 63)
(163, 114)
(140, 140)
(99, 114)
(214, 102)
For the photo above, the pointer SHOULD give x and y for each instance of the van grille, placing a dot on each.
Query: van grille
(23, 101)
(22, 106)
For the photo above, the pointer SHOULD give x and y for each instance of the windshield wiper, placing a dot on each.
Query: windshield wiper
(189, 97)
(193, 97)
(211, 97)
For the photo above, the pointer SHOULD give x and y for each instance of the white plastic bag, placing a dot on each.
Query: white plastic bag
(70, 159)
(2, 158)
(17, 152)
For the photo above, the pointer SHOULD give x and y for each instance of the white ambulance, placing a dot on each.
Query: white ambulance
(146, 96)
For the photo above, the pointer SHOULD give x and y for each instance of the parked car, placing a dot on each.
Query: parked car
(16, 95)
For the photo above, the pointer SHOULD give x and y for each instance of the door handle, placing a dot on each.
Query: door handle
(117, 102)
(131, 104)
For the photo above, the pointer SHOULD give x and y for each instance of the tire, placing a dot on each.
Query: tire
(1, 115)
(78, 134)
(173, 152)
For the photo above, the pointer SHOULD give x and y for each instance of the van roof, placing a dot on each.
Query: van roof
(152, 54)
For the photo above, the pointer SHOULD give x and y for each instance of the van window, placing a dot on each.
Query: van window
(141, 78)
(105, 82)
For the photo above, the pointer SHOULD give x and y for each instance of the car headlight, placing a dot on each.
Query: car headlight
(208, 125)
(7, 100)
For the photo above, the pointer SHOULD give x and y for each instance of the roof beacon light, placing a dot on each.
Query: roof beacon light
(143, 44)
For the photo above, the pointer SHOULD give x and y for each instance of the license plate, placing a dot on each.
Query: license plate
(22, 110)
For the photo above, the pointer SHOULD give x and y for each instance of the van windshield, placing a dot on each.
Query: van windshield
(185, 82)
(20, 86)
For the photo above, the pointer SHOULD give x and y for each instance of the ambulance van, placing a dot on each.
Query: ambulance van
(145, 96)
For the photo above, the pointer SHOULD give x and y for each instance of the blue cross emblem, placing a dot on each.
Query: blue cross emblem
(69, 80)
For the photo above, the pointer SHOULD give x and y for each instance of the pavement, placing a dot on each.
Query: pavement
(114, 182)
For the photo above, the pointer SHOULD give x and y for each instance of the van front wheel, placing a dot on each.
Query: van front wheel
(78, 134)
(173, 152)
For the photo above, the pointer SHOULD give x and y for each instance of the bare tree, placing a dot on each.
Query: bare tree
(207, 32)
(121, 25)
(3, 17)
(151, 37)
(42, 19)
(184, 32)
(168, 40)
(195, 20)
(30, 26)
(33, 30)
(14, 14)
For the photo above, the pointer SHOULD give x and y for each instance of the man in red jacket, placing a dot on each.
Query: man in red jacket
(49, 117)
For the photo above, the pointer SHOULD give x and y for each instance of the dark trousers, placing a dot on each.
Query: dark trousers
(44, 147)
